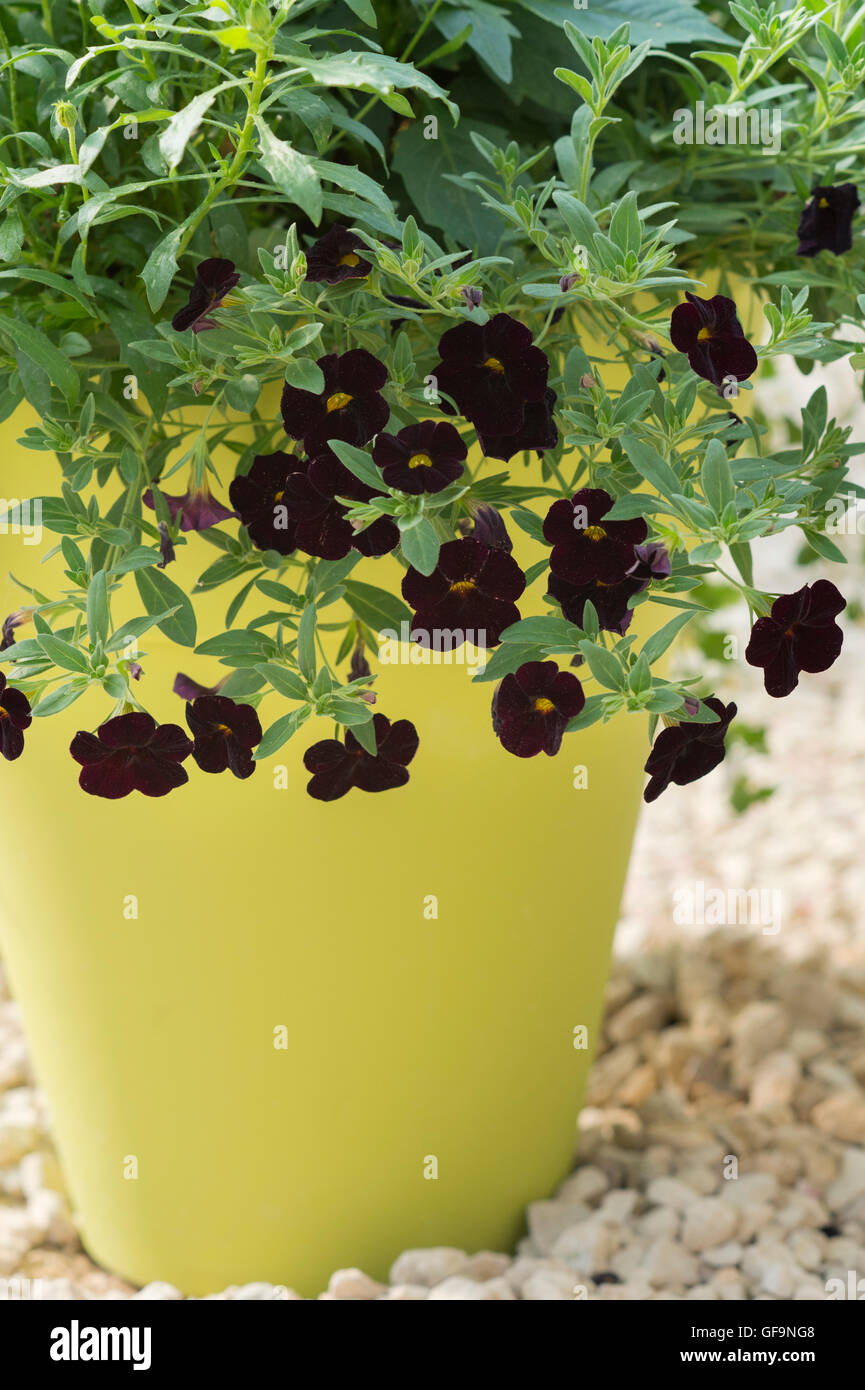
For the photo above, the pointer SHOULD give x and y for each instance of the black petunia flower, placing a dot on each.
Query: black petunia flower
(214, 279)
(198, 506)
(799, 635)
(610, 600)
(683, 753)
(319, 521)
(538, 431)
(258, 497)
(585, 548)
(131, 753)
(349, 408)
(422, 458)
(709, 331)
(471, 593)
(225, 734)
(15, 717)
(533, 706)
(337, 767)
(826, 223)
(10, 622)
(492, 371)
(188, 689)
(166, 546)
(490, 528)
(335, 257)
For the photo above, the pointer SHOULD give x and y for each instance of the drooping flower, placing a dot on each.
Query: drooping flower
(473, 296)
(471, 593)
(610, 601)
(533, 706)
(214, 279)
(492, 371)
(131, 753)
(166, 546)
(188, 689)
(199, 507)
(652, 561)
(359, 666)
(585, 547)
(349, 408)
(224, 734)
(683, 753)
(10, 622)
(259, 500)
(709, 331)
(15, 717)
(421, 458)
(826, 223)
(538, 431)
(336, 257)
(319, 521)
(337, 767)
(490, 528)
(799, 635)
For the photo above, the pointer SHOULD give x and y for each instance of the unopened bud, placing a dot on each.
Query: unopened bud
(66, 114)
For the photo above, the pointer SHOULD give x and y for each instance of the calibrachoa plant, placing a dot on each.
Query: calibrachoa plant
(221, 207)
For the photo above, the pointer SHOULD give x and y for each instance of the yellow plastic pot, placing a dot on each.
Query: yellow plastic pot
(280, 1037)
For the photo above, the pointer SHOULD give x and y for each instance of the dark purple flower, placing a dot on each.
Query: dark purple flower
(490, 528)
(131, 753)
(188, 689)
(568, 281)
(585, 548)
(709, 331)
(422, 458)
(335, 257)
(16, 619)
(470, 594)
(199, 507)
(359, 667)
(225, 734)
(319, 521)
(652, 561)
(538, 431)
(492, 371)
(826, 223)
(349, 408)
(337, 767)
(15, 717)
(610, 601)
(136, 670)
(800, 634)
(683, 753)
(533, 706)
(472, 295)
(214, 278)
(259, 499)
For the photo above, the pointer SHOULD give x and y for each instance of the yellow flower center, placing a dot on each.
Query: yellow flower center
(494, 364)
(420, 461)
(594, 533)
(349, 258)
(543, 705)
(278, 496)
(703, 334)
(337, 401)
(463, 586)
(223, 729)
(823, 203)
(3, 713)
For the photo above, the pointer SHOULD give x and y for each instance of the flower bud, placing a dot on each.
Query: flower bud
(66, 114)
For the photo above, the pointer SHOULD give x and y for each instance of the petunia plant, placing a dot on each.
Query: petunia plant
(216, 247)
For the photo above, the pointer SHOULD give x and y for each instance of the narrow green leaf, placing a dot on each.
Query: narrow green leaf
(159, 593)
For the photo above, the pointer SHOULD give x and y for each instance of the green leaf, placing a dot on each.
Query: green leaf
(357, 461)
(364, 11)
(651, 466)
(174, 138)
(378, 608)
(604, 666)
(292, 172)
(285, 682)
(97, 608)
(510, 656)
(458, 210)
(40, 350)
(716, 477)
(592, 711)
(280, 732)
(159, 593)
(306, 643)
(56, 700)
(366, 736)
(546, 631)
(420, 546)
(304, 375)
(659, 641)
(676, 22)
(64, 654)
(136, 627)
(161, 267)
